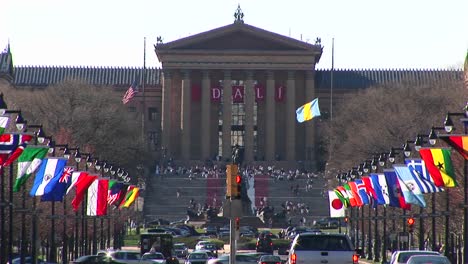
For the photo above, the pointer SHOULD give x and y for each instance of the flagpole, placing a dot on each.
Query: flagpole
(143, 94)
(331, 79)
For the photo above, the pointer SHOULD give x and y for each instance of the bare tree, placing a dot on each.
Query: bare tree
(91, 117)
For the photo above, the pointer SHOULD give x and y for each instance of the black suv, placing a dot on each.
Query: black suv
(264, 244)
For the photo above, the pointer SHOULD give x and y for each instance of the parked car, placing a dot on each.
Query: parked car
(402, 256)
(326, 223)
(28, 260)
(181, 250)
(91, 259)
(428, 259)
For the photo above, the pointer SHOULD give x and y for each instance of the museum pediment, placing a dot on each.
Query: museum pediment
(237, 36)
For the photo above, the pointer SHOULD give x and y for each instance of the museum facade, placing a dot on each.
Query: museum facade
(233, 85)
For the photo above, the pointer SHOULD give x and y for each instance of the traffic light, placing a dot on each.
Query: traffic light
(237, 223)
(233, 181)
(236, 188)
(410, 222)
(346, 219)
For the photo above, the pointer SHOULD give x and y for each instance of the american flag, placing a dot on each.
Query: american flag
(130, 93)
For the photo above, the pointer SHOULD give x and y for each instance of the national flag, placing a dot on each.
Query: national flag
(114, 192)
(13, 156)
(48, 175)
(82, 185)
(410, 185)
(122, 195)
(3, 123)
(74, 178)
(337, 209)
(458, 142)
(28, 162)
(308, 111)
(342, 195)
(369, 189)
(379, 184)
(131, 196)
(130, 93)
(60, 187)
(418, 168)
(10, 142)
(349, 192)
(394, 190)
(439, 164)
(356, 195)
(362, 191)
(97, 198)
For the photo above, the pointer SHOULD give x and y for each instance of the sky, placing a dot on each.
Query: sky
(367, 34)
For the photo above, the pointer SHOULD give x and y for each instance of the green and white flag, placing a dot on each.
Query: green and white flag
(3, 123)
(28, 162)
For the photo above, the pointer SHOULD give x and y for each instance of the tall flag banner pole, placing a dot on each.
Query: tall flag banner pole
(331, 78)
(143, 82)
(465, 71)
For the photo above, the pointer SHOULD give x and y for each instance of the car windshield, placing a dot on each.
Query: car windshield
(179, 246)
(404, 256)
(326, 243)
(434, 259)
(153, 256)
(198, 256)
(270, 258)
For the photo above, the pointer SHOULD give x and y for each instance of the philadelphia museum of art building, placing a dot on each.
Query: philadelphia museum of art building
(233, 85)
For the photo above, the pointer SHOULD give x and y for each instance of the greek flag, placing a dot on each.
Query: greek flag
(418, 168)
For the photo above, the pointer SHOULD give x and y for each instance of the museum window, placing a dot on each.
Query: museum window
(153, 114)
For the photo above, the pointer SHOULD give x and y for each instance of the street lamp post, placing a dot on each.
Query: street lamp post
(449, 127)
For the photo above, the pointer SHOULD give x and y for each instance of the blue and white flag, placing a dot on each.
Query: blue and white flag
(48, 175)
(410, 185)
(418, 168)
(381, 189)
(60, 187)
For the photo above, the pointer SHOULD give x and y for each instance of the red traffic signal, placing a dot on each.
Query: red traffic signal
(410, 221)
(238, 179)
(346, 219)
(237, 223)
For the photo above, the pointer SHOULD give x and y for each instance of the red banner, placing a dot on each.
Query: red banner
(216, 94)
(237, 93)
(196, 93)
(280, 93)
(259, 93)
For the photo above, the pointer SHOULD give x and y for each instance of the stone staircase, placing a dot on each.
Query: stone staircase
(161, 201)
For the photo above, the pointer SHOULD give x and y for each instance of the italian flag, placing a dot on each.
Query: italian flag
(28, 162)
(439, 164)
(97, 197)
(3, 123)
(130, 197)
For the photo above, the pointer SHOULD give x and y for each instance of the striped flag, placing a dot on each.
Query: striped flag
(97, 198)
(418, 168)
(47, 176)
(130, 93)
(60, 187)
(3, 123)
(410, 185)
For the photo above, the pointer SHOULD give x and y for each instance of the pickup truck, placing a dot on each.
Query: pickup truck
(308, 248)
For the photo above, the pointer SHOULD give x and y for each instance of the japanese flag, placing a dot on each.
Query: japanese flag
(337, 208)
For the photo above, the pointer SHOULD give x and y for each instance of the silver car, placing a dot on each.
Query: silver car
(240, 259)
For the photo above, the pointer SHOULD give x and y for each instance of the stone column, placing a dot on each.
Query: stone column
(206, 115)
(270, 135)
(249, 101)
(310, 126)
(166, 112)
(227, 115)
(291, 117)
(186, 115)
